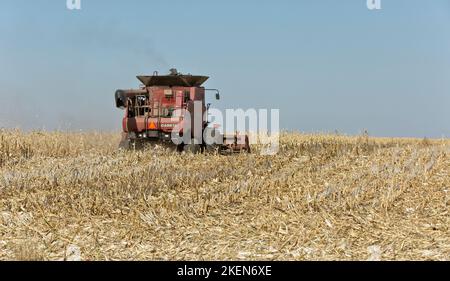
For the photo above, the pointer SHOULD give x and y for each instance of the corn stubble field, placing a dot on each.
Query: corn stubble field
(71, 196)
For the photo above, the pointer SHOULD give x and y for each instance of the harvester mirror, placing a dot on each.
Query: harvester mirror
(217, 93)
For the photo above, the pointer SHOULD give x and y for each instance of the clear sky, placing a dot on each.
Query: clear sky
(327, 65)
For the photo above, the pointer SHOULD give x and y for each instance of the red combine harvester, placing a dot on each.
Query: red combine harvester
(160, 106)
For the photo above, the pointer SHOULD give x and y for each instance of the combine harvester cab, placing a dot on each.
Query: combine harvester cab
(149, 114)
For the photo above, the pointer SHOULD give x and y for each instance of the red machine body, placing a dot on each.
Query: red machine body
(155, 114)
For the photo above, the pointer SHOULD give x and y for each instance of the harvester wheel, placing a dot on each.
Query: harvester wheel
(211, 149)
(124, 144)
(130, 144)
(193, 148)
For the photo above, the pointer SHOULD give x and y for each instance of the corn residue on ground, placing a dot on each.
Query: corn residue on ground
(75, 196)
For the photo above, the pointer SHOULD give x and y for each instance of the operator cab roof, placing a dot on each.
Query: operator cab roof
(173, 80)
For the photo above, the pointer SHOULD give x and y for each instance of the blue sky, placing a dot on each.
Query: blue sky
(327, 65)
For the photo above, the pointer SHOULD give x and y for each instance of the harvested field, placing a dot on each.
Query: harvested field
(70, 196)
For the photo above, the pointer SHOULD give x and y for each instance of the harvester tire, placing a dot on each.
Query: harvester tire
(124, 144)
(193, 148)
